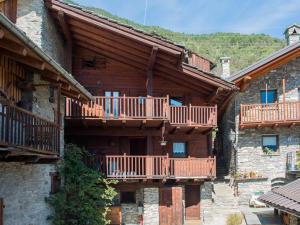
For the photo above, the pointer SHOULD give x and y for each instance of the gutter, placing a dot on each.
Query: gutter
(26, 40)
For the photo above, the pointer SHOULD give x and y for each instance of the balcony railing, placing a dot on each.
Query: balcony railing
(154, 167)
(293, 161)
(270, 113)
(22, 129)
(137, 108)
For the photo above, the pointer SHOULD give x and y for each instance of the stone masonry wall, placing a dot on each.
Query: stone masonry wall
(249, 154)
(151, 206)
(34, 19)
(24, 188)
(130, 214)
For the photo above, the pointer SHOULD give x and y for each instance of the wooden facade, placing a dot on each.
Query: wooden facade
(151, 117)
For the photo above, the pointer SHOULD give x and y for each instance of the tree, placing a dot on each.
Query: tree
(85, 195)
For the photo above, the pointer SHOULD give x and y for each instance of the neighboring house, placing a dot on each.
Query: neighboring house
(286, 200)
(32, 90)
(149, 125)
(261, 125)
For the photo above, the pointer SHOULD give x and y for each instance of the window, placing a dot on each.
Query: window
(55, 182)
(270, 143)
(298, 94)
(127, 197)
(268, 96)
(112, 103)
(176, 101)
(179, 149)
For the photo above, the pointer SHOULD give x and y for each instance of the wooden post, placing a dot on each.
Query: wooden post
(1, 211)
(283, 98)
(58, 116)
(190, 114)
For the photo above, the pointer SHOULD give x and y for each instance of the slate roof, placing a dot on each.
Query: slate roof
(286, 198)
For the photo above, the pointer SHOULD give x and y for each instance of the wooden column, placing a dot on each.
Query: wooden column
(283, 98)
(58, 116)
(1, 211)
(149, 145)
(152, 59)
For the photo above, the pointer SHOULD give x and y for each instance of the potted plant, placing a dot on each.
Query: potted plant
(268, 151)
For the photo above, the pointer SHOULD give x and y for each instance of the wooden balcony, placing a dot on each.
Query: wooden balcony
(275, 114)
(146, 109)
(154, 167)
(23, 133)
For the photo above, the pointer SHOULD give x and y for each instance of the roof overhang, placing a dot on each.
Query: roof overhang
(264, 66)
(134, 48)
(16, 45)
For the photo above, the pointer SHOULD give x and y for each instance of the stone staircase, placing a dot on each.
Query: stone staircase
(223, 204)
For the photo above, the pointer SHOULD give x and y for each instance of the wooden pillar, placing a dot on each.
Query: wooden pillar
(283, 98)
(149, 145)
(58, 116)
(1, 211)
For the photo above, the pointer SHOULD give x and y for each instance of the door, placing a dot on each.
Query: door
(112, 106)
(170, 206)
(192, 202)
(138, 146)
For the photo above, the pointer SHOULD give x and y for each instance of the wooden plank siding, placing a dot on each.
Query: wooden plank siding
(1, 211)
(274, 114)
(10, 74)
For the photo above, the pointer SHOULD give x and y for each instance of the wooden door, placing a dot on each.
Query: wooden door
(192, 202)
(170, 206)
(1, 211)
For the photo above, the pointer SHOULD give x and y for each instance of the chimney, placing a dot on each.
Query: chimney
(292, 34)
(225, 62)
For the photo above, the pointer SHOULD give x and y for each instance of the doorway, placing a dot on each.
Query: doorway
(170, 206)
(138, 146)
(192, 202)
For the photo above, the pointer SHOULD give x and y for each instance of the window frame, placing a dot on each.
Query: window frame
(277, 142)
(269, 90)
(185, 152)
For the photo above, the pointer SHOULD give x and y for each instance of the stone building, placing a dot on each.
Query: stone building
(260, 128)
(33, 86)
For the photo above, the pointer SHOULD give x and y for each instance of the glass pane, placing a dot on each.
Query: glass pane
(270, 142)
(179, 149)
(268, 96)
(175, 102)
(116, 104)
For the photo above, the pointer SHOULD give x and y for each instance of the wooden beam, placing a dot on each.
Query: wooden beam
(214, 95)
(27, 60)
(13, 47)
(174, 130)
(1, 33)
(110, 132)
(68, 37)
(245, 83)
(149, 82)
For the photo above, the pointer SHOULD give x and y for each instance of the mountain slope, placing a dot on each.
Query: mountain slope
(243, 49)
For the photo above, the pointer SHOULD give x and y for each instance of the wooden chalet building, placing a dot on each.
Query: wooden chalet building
(150, 122)
(33, 87)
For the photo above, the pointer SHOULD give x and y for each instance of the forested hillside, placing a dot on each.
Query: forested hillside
(243, 49)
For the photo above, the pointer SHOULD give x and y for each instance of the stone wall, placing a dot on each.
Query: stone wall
(151, 206)
(24, 188)
(34, 19)
(244, 147)
(130, 213)
(206, 202)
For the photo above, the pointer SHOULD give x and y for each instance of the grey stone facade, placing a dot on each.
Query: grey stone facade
(243, 148)
(24, 188)
(151, 206)
(34, 19)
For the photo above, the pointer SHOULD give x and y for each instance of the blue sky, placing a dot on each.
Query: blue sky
(208, 16)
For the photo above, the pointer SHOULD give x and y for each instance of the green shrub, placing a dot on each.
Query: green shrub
(234, 219)
(85, 195)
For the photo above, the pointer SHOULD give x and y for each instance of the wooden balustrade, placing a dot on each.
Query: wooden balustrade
(119, 108)
(270, 113)
(193, 115)
(23, 129)
(155, 167)
(129, 108)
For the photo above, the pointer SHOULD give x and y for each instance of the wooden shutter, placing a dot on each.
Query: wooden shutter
(1, 211)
